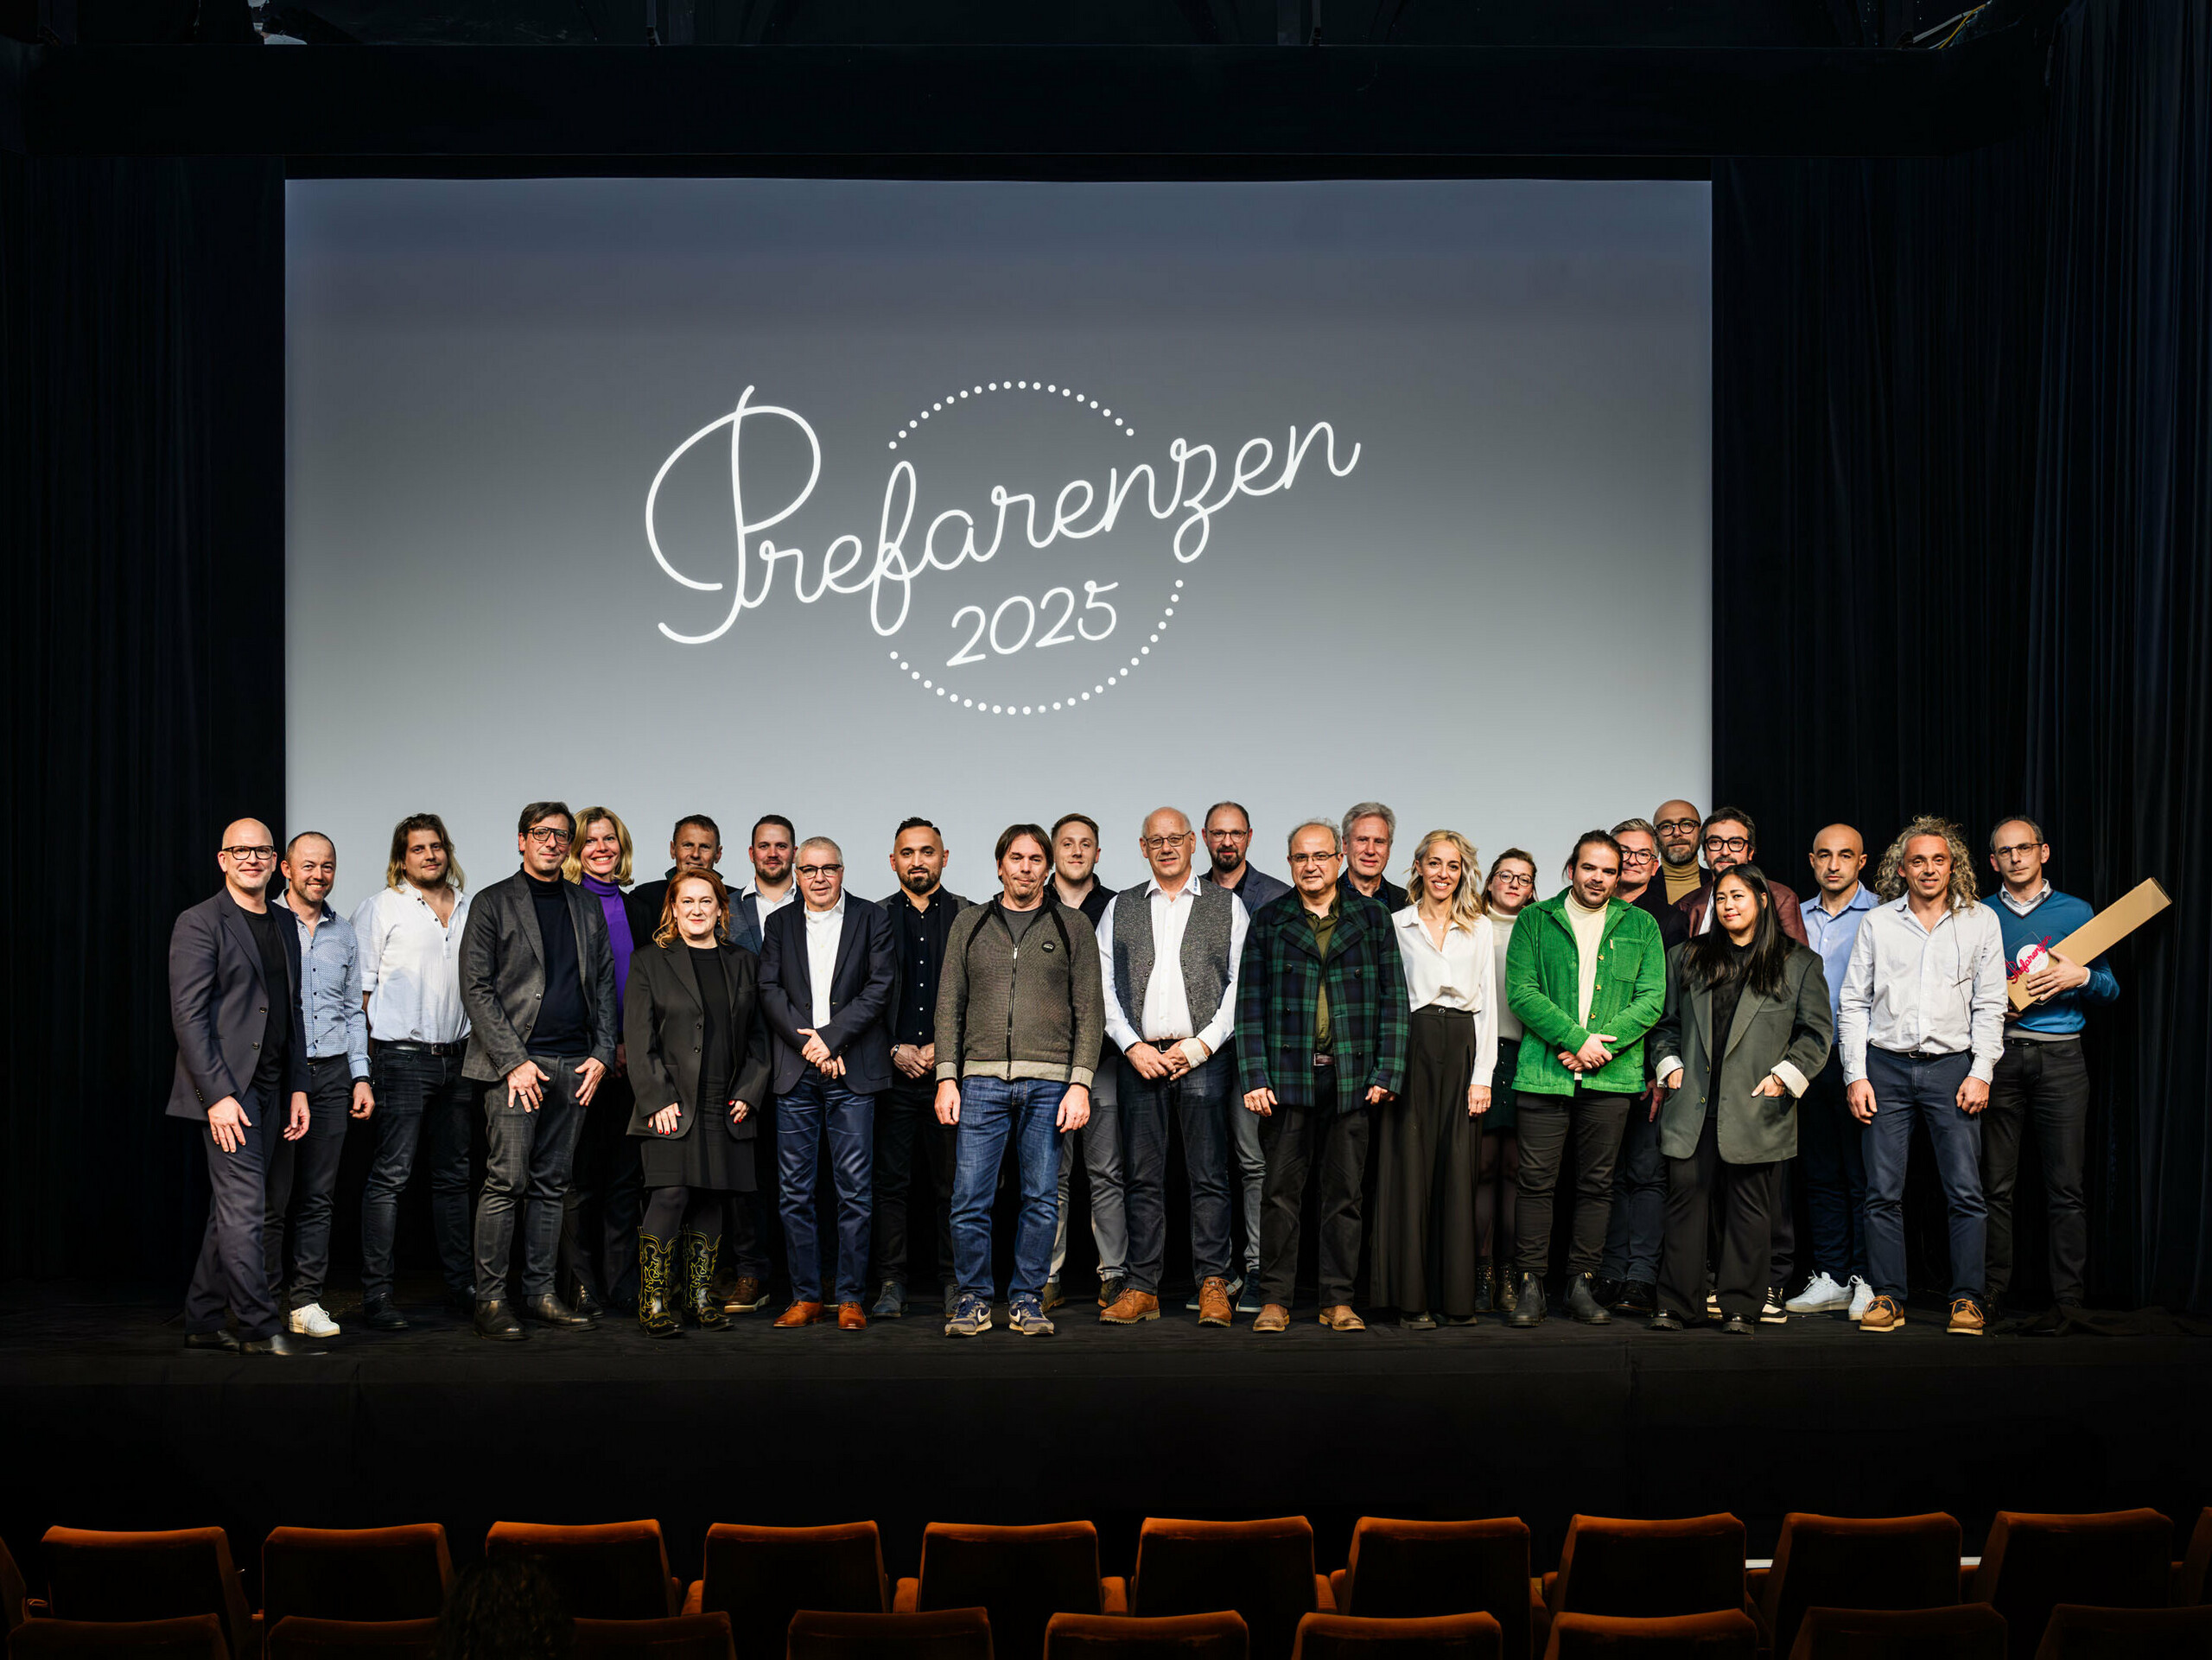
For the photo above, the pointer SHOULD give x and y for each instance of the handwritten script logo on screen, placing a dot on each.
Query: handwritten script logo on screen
(1192, 488)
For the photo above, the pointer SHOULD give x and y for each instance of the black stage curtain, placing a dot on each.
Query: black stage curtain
(1963, 419)
(142, 486)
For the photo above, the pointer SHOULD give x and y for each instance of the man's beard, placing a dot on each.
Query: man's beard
(1689, 855)
(1228, 860)
(921, 883)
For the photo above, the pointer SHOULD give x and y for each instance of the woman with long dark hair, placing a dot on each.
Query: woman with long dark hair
(1745, 1030)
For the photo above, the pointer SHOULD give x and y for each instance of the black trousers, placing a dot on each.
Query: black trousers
(905, 1117)
(233, 1270)
(607, 1193)
(1597, 1121)
(1748, 1198)
(2047, 1083)
(302, 1178)
(1295, 1140)
(752, 1222)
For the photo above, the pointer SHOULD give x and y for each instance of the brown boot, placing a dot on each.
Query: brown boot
(1338, 1317)
(800, 1313)
(1274, 1318)
(1130, 1308)
(1213, 1302)
(746, 1294)
(851, 1317)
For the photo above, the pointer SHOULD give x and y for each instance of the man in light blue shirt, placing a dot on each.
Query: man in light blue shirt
(1828, 1138)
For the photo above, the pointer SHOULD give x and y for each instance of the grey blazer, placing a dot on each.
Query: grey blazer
(1788, 1036)
(663, 1023)
(503, 976)
(219, 1007)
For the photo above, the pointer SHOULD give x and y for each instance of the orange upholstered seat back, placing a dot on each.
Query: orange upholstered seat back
(608, 1570)
(371, 1573)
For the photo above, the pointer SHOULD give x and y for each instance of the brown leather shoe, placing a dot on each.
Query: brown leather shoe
(1338, 1317)
(1213, 1302)
(1130, 1308)
(1881, 1314)
(746, 1294)
(800, 1313)
(1965, 1318)
(1274, 1318)
(851, 1317)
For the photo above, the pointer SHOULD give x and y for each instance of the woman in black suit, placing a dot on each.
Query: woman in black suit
(698, 1054)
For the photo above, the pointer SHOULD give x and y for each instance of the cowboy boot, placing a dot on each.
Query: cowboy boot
(703, 1304)
(655, 1307)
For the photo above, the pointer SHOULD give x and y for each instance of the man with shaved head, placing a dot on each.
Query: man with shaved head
(1168, 953)
(242, 1072)
(1681, 828)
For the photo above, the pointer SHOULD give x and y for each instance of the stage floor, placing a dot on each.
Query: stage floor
(110, 1423)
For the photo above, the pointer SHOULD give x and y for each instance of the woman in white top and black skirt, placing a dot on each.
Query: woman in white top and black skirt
(698, 1053)
(1427, 1141)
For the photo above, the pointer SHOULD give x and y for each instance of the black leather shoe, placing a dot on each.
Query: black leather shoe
(1607, 1289)
(587, 1304)
(1529, 1307)
(462, 1303)
(549, 1310)
(216, 1342)
(280, 1343)
(497, 1321)
(1582, 1306)
(1636, 1299)
(1663, 1321)
(382, 1314)
(1485, 1291)
(1737, 1326)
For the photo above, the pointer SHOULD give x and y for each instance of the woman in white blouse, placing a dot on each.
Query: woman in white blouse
(1427, 1141)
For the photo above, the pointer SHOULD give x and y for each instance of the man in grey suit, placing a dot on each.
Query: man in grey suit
(537, 979)
(242, 1071)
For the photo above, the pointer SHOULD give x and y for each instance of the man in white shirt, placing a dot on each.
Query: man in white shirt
(1921, 1023)
(771, 851)
(410, 936)
(1168, 953)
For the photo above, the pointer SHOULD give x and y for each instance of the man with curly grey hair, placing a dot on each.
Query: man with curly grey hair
(1921, 1023)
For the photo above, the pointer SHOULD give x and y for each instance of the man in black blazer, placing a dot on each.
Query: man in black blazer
(826, 969)
(537, 979)
(241, 1071)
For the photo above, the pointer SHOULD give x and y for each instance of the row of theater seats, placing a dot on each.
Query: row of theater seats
(2103, 1586)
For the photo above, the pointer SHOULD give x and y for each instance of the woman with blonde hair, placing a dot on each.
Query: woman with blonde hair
(1428, 1139)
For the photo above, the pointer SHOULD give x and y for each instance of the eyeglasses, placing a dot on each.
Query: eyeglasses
(247, 855)
(1508, 879)
(1636, 856)
(1161, 843)
(1727, 844)
(1228, 835)
(545, 836)
(811, 871)
(2019, 847)
(1310, 858)
(1668, 825)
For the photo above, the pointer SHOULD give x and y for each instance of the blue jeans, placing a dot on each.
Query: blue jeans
(417, 1092)
(815, 1107)
(1906, 1090)
(1197, 1101)
(1831, 1152)
(1639, 1218)
(991, 1109)
(526, 1166)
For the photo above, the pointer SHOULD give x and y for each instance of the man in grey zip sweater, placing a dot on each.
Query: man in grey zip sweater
(1021, 1013)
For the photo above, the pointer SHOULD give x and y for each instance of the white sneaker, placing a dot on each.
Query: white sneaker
(311, 1321)
(1822, 1296)
(1862, 1299)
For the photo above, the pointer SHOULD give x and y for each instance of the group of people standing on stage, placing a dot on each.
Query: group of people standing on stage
(661, 1068)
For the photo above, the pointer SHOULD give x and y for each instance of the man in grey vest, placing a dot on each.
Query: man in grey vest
(1169, 953)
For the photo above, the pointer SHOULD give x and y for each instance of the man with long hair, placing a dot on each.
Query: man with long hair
(1921, 1022)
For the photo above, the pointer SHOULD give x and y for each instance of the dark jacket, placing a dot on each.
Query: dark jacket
(648, 898)
(1388, 894)
(503, 976)
(664, 1026)
(1787, 911)
(219, 1007)
(859, 1031)
(1789, 1035)
(1278, 981)
(1673, 926)
(936, 925)
(1255, 887)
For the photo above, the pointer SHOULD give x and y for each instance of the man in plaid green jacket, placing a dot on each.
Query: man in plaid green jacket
(1322, 1023)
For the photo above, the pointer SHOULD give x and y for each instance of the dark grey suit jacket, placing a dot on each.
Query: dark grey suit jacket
(664, 1026)
(503, 976)
(1787, 1035)
(859, 1031)
(219, 1007)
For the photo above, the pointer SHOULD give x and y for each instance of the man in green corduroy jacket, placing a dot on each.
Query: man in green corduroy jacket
(1587, 975)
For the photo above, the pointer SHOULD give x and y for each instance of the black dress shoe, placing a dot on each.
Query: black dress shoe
(1608, 1289)
(280, 1343)
(1663, 1321)
(549, 1310)
(1737, 1326)
(462, 1303)
(220, 1341)
(497, 1321)
(1582, 1306)
(1529, 1307)
(1636, 1299)
(382, 1314)
(1485, 1291)
(587, 1304)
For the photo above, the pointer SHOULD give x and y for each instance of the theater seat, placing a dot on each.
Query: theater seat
(1021, 1575)
(2077, 1633)
(1440, 1637)
(92, 1574)
(761, 1576)
(189, 1637)
(1627, 1568)
(1263, 1570)
(2190, 1573)
(297, 1637)
(950, 1634)
(1971, 1630)
(1722, 1634)
(609, 1570)
(1410, 1570)
(1126, 1637)
(361, 1574)
(683, 1636)
(12, 1590)
(1834, 1562)
(2120, 1559)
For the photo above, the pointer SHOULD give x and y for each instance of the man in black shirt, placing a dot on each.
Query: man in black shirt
(537, 979)
(1369, 830)
(921, 917)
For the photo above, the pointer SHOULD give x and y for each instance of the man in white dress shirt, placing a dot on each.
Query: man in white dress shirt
(1168, 952)
(1921, 1023)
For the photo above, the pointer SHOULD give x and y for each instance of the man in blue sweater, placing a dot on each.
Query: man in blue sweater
(2042, 1075)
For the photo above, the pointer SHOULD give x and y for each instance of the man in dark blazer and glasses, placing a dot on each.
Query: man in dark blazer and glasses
(242, 1072)
(537, 979)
